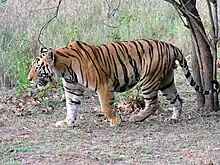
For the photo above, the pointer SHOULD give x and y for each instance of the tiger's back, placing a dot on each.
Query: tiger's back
(121, 63)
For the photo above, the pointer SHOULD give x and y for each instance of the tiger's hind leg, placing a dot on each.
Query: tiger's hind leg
(150, 96)
(106, 99)
(169, 90)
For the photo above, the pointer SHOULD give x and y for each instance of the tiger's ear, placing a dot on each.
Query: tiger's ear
(43, 50)
(50, 57)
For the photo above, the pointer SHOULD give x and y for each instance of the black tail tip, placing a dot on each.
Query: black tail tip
(216, 83)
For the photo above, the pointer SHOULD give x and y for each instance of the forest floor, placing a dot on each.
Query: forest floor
(28, 135)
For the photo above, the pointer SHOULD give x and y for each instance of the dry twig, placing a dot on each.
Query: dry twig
(47, 23)
(113, 11)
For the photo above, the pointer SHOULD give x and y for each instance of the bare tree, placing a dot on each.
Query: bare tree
(204, 50)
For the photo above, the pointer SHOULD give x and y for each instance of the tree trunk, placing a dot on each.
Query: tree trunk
(196, 69)
(202, 50)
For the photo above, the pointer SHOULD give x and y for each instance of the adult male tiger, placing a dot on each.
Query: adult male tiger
(111, 67)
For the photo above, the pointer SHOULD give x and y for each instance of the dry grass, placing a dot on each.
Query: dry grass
(33, 139)
(36, 140)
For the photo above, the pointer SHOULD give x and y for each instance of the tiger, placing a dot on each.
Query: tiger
(113, 67)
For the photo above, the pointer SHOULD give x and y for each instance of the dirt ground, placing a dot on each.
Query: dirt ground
(34, 139)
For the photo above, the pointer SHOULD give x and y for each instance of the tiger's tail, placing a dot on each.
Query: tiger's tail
(189, 77)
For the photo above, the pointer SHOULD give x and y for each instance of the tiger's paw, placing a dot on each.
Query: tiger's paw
(142, 115)
(115, 121)
(171, 120)
(137, 118)
(65, 123)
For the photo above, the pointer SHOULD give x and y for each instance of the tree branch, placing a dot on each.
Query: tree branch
(112, 26)
(175, 4)
(180, 15)
(43, 9)
(112, 12)
(178, 8)
(214, 24)
(47, 23)
(211, 20)
(189, 15)
(217, 37)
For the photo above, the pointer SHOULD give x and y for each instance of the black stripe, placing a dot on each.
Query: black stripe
(197, 88)
(72, 73)
(129, 56)
(97, 58)
(111, 56)
(54, 58)
(89, 57)
(167, 85)
(99, 49)
(147, 70)
(95, 55)
(106, 59)
(159, 63)
(121, 48)
(173, 100)
(96, 85)
(150, 88)
(77, 52)
(80, 63)
(188, 74)
(126, 79)
(74, 101)
(136, 73)
(139, 55)
(158, 70)
(61, 54)
(132, 63)
(67, 88)
(86, 82)
(206, 92)
(151, 98)
(70, 82)
(73, 93)
(142, 47)
(111, 60)
(192, 82)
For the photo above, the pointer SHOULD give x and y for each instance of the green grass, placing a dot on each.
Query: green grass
(1, 150)
(16, 148)
(133, 19)
(7, 161)
(21, 148)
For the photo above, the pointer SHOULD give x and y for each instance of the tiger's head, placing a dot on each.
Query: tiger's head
(41, 73)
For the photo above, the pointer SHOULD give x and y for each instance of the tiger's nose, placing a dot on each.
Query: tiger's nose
(30, 79)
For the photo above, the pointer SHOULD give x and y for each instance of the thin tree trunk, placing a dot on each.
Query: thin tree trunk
(204, 51)
(215, 28)
(196, 69)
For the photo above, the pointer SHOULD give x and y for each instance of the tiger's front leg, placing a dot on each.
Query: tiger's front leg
(106, 98)
(73, 100)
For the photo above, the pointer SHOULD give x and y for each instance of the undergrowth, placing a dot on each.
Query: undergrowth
(133, 19)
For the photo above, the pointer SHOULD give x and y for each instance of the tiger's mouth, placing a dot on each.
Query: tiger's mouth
(39, 83)
(42, 82)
